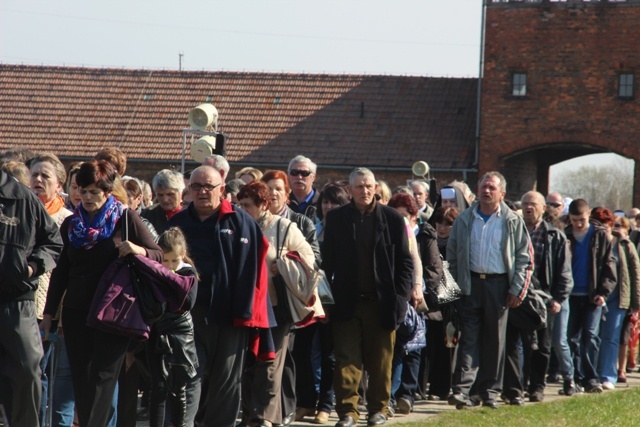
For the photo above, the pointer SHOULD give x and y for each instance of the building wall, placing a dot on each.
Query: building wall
(572, 53)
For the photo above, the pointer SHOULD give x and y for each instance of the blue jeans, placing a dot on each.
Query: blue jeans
(610, 328)
(63, 397)
(559, 340)
(584, 338)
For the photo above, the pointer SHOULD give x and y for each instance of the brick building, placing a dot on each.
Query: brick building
(559, 82)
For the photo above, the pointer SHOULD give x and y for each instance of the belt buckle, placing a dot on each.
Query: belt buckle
(483, 276)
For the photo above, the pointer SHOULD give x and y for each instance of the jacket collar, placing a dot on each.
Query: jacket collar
(9, 187)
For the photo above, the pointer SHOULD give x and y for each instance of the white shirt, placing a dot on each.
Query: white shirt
(486, 244)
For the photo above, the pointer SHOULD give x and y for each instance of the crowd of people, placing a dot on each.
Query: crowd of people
(305, 301)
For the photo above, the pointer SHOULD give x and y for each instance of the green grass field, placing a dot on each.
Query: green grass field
(621, 408)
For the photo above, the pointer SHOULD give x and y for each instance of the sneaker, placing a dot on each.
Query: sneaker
(608, 385)
(593, 388)
(569, 387)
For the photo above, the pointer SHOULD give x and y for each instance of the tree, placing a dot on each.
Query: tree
(609, 186)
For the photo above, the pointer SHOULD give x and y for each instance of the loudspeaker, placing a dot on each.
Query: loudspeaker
(420, 168)
(203, 116)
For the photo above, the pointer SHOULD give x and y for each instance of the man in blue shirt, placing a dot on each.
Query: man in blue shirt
(594, 277)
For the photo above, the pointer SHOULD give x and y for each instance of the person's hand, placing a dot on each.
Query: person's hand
(274, 268)
(599, 300)
(30, 269)
(513, 301)
(416, 295)
(554, 307)
(127, 247)
(45, 326)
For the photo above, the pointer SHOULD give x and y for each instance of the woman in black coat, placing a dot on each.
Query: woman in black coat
(93, 238)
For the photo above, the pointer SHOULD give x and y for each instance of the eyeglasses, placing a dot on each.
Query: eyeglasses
(207, 187)
(617, 225)
(554, 204)
(296, 172)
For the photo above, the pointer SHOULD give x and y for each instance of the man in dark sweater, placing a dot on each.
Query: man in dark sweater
(367, 261)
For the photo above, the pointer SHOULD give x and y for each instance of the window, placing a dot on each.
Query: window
(625, 85)
(519, 84)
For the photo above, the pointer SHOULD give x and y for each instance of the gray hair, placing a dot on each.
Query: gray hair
(167, 178)
(360, 172)
(302, 159)
(234, 186)
(422, 184)
(502, 182)
(535, 194)
(218, 162)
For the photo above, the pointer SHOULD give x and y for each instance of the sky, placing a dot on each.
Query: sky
(400, 37)
(437, 38)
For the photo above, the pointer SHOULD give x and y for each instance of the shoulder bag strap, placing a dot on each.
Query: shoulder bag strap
(125, 227)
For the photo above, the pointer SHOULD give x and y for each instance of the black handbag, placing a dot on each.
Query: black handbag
(282, 311)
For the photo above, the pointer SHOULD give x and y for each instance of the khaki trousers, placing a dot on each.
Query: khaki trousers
(362, 342)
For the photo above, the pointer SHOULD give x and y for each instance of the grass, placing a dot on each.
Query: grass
(621, 408)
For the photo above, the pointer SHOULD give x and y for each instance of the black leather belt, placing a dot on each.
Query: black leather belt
(485, 276)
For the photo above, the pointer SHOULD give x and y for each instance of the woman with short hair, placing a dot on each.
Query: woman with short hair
(93, 238)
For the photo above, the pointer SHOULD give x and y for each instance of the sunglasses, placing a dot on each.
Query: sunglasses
(617, 225)
(207, 187)
(296, 172)
(554, 204)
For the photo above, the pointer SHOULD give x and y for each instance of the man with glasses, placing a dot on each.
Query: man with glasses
(228, 250)
(553, 210)
(303, 197)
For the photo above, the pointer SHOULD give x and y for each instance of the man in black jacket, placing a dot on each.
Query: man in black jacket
(367, 261)
(552, 274)
(30, 244)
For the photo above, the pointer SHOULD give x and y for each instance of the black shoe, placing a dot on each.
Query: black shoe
(569, 387)
(457, 399)
(286, 421)
(376, 419)
(475, 400)
(553, 378)
(536, 396)
(490, 403)
(516, 401)
(346, 421)
(593, 388)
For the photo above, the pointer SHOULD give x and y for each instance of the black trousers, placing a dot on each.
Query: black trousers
(439, 360)
(483, 326)
(95, 359)
(306, 393)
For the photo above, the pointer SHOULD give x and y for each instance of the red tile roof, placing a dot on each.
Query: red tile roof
(336, 120)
